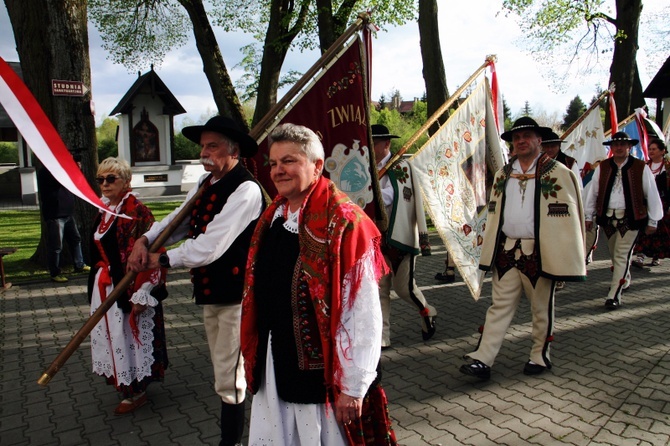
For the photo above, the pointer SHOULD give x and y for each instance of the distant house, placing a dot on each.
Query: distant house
(403, 107)
(18, 183)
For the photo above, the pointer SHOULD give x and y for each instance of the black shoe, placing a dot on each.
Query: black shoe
(612, 304)
(429, 322)
(446, 278)
(533, 369)
(477, 369)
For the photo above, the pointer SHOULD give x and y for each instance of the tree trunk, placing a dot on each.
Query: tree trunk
(433, 65)
(623, 70)
(333, 24)
(223, 90)
(277, 43)
(52, 43)
(326, 29)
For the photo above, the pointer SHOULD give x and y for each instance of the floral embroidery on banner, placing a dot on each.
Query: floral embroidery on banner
(353, 74)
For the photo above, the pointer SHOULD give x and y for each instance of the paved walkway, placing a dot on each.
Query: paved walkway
(609, 384)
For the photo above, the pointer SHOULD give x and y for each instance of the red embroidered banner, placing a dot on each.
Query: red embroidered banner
(336, 108)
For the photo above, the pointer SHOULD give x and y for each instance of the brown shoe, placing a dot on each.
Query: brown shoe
(130, 404)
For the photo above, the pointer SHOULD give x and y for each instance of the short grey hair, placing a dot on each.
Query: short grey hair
(233, 146)
(308, 140)
(118, 166)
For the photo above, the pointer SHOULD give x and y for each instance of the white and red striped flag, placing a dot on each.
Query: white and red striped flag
(45, 142)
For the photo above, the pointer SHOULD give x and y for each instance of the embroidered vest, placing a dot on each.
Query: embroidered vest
(631, 179)
(221, 281)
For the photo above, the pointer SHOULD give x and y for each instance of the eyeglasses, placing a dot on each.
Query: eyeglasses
(109, 178)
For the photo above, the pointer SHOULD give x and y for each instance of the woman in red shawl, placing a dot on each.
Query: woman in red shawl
(128, 344)
(311, 316)
(657, 245)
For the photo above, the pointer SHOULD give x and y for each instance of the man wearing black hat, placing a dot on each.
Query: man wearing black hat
(216, 247)
(551, 145)
(624, 200)
(534, 237)
(405, 237)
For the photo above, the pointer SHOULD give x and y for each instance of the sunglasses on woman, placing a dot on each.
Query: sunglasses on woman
(109, 178)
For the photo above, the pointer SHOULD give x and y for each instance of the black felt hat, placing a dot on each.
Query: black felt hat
(380, 131)
(525, 123)
(551, 138)
(621, 136)
(227, 127)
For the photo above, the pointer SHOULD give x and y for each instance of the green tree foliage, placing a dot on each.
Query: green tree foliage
(578, 33)
(575, 110)
(526, 110)
(106, 136)
(507, 114)
(9, 153)
(381, 104)
(405, 126)
(185, 149)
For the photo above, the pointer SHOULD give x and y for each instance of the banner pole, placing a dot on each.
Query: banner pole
(435, 116)
(118, 290)
(259, 128)
(575, 124)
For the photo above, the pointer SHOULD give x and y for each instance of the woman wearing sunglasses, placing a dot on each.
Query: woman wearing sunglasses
(128, 344)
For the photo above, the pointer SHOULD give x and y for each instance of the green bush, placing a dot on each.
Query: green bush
(9, 152)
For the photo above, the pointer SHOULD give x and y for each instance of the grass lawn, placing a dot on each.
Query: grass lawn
(21, 230)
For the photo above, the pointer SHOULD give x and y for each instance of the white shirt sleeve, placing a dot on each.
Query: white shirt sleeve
(592, 196)
(578, 174)
(243, 206)
(654, 204)
(179, 233)
(358, 341)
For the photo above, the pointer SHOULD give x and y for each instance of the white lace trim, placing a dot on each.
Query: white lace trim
(113, 348)
(291, 223)
(144, 297)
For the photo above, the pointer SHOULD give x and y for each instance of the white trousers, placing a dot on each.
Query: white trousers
(506, 297)
(403, 283)
(621, 251)
(222, 325)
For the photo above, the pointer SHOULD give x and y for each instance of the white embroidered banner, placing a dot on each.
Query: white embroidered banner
(455, 169)
(585, 142)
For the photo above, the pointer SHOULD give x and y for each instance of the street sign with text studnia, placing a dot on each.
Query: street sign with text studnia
(68, 88)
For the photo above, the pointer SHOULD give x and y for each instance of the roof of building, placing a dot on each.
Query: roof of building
(149, 82)
(5, 122)
(659, 87)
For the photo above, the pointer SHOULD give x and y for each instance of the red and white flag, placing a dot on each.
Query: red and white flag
(45, 142)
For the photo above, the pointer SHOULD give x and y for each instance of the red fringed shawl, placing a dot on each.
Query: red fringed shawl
(334, 235)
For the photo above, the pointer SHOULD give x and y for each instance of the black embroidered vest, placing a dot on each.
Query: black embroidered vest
(631, 179)
(566, 160)
(221, 281)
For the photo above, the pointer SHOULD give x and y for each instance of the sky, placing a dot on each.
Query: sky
(466, 38)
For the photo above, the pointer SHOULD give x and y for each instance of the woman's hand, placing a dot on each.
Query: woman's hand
(348, 408)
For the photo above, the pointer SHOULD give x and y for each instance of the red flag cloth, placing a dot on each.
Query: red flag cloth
(336, 108)
(45, 142)
(614, 122)
(640, 116)
(498, 112)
